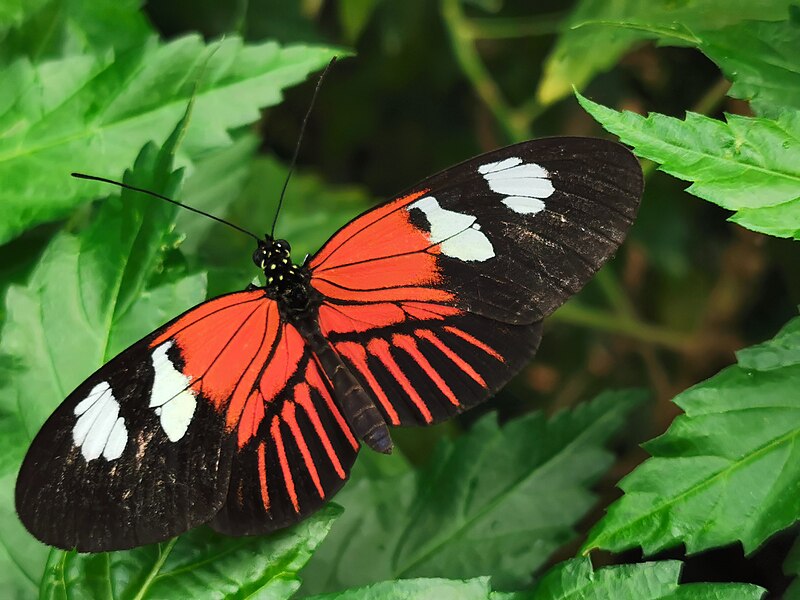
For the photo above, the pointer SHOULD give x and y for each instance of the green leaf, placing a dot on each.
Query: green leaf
(87, 299)
(217, 180)
(55, 28)
(791, 566)
(571, 580)
(598, 32)
(420, 589)
(748, 165)
(727, 470)
(85, 113)
(496, 501)
(576, 579)
(761, 59)
(199, 564)
(781, 351)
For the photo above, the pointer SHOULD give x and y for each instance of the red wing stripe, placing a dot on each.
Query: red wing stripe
(380, 349)
(474, 341)
(254, 370)
(262, 476)
(425, 334)
(275, 430)
(252, 415)
(303, 398)
(314, 378)
(407, 343)
(288, 414)
(358, 356)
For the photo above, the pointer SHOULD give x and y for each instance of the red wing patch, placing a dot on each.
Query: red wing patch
(299, 457)
(380, 257)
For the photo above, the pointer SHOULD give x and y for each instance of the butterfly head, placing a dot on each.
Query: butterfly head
(274, 258)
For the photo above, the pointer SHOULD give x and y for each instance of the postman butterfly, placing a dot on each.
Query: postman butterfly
(247, 411)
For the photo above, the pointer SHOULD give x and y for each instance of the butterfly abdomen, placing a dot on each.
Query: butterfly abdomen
(357, 405)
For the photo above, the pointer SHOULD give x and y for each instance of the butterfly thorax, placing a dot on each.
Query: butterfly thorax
(285, 282)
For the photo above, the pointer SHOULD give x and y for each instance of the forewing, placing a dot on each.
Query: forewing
(509, 235)
(295, 448)
(141, 451)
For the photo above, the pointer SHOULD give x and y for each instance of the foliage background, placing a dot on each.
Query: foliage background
(86, 86)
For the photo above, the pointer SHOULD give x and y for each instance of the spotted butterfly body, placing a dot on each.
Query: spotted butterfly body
(248, 411)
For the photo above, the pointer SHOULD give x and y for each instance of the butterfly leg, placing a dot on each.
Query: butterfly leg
(357, 405)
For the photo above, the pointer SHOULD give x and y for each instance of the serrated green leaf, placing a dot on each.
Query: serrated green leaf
(57, 28)
(86, 113)
(420, 589)
(479, 507)
(761, 59)
(199, 564)
(576, 579)
(781, 351)
(726, 470)
(748, 165)
(598, 32)
(86, 300)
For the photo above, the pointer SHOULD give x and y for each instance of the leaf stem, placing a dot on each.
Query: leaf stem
(162, 558)
(461, 39)
(578, 314)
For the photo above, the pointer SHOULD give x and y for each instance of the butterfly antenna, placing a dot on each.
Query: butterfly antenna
(299, 140)
(170, 200)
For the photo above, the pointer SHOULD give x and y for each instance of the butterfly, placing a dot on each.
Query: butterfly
(247, 411)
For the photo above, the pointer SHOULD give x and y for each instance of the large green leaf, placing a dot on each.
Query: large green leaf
(570, 580)
(576, 579)
(423, 589)
(87, 299)
(763, 61)
(748, 165)
(56, 28)
(85, 113)
(727, 470)
(598, 32)
(496, 501)
(199, 564)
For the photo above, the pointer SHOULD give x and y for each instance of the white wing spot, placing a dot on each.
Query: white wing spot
(523, 205)
(524, 185)
(172, 399)
(99, 430)
(457, 234)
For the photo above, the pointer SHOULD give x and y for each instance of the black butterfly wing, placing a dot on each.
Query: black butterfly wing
(459, 271)
(142, 450)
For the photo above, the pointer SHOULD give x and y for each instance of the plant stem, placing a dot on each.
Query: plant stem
(578, 314)
(470, 62)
